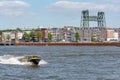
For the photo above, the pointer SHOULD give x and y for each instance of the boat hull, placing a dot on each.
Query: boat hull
(35, 61)
(32, 59)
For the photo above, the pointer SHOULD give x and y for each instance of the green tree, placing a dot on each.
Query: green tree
(93, 39)
(18, 29)
(98, 38)
(26, 37)
(50, 36)
(31, 34)
(39, 35)
(77, 36)
(38, 29)
(8, 37)
(0, 37)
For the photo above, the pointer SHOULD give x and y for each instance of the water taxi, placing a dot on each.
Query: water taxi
(34, 59)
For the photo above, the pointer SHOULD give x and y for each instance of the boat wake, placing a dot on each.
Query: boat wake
(14, 60)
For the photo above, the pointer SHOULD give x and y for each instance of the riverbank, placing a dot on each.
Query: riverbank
(68, 44)
(6, 43)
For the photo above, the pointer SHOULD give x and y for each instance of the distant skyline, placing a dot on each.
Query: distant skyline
(55, 13)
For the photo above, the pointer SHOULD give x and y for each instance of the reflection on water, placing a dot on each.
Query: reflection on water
(64, 63)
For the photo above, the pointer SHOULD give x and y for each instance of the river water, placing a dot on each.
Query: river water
(61, 63)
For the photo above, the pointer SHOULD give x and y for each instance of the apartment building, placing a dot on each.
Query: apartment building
(98, 33)
(67, 33)
(55, 34)
(9, 36)
(112, 35)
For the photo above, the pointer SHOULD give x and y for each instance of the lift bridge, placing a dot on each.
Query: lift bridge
(86, 31)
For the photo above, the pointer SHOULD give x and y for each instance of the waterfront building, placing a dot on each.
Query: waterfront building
(10, 36)
(88, 33)
(117, 30)
(55, 34)
(45, 32)
(4, 36)
(112, 35)
(67, 33)
(19, 35)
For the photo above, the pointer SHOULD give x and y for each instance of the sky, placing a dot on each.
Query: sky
(55, 13)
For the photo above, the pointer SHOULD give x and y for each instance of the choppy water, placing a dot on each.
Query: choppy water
(61, 63)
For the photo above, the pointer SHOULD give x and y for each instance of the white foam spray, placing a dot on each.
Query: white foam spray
(14, 60)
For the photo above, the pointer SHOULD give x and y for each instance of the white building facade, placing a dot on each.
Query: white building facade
(112, 36)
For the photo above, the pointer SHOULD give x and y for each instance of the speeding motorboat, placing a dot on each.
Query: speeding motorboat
(34, 59)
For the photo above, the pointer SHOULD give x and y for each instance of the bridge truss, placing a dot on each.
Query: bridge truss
(85, 25)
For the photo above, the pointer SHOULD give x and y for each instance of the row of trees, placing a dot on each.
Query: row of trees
(35, 37)
(38, 37)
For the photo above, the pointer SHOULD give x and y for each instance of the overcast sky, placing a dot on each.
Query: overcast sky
(55, 13)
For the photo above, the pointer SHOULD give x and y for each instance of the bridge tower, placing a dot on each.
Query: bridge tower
(101, 19)
(86, 30)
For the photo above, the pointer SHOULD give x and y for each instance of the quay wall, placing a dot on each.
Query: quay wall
(68, 44)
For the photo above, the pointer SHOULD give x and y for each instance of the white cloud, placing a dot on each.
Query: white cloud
(13, 4)
(115, 1)
(77, 6)
(11, 8)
